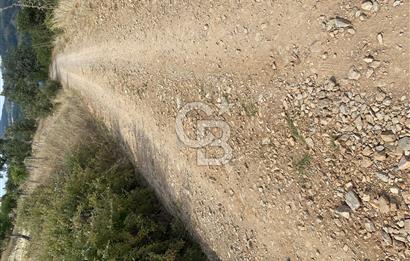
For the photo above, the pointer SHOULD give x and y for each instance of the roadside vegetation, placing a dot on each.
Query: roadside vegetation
(97, 208)
(25, 74)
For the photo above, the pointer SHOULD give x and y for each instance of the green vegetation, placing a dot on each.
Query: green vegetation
(303, 163)
(251, 109)
(25, 74)
(295, 131)
(97, 208)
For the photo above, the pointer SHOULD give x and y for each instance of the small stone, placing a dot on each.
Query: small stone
(353, 74)
(379, 148)
(352, 200)
(266, 141)
(343, 211)
(394, 190)
(380, 38)
(369, 226)
(407, 226)
(366, 162)
(396, 3)
(383, 177)
(404, 163)
(351, 31)
(366, 198)
(407, 123)
(368, 59)
(345, 248)
(342, 22)
(383, 204)
(367, 151)
(386, 238)
(369, 73)
(380, 97)
(359, 123)
(388, 136)
(310, 143)
(406, 197)
(375, 64)
(367, 5)
(404, 143)
(380, 156)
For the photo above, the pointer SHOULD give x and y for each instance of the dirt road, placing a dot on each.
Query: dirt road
(137, 63)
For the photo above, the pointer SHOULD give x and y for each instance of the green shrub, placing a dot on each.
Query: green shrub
(98, 209)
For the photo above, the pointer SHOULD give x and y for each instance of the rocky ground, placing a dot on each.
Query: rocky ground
(316, 94)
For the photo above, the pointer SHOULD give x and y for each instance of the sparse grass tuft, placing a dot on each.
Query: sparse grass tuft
(333, 144)
(295, 131)
(251, 109)
(303, 163)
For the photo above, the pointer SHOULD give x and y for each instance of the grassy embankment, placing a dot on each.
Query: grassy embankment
(87, 202)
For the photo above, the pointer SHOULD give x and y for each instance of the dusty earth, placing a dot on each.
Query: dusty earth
(314, 93)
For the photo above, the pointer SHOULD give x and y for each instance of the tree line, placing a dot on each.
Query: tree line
(25, 75)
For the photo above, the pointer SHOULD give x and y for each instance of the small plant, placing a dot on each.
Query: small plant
(303, 163)
(251, 109)
(334, 145)
(295, 131)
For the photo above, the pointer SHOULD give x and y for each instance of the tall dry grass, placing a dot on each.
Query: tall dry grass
(68, 17)
(58, 134)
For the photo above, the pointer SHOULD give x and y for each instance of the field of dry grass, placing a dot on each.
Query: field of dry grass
(57, 135)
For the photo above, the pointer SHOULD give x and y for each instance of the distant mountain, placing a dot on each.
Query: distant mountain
(8, 27)
(9, 39)
(10, 113)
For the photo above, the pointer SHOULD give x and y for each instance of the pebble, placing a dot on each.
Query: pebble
(380, 38)
(353, 74)
(404, 163)
(266, 141)
(352, 200)
(367, 151)
(368, 59)
(386, 238)
(383, 177)
(383, 204)
(343, 211)
(388, 136)
(404, 143)
(369, 226)
(366, 162)
(367, 5)
(342, 22)
(394, 190)
(380, 156)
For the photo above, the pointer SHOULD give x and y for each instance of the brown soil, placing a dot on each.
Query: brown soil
(136, 63)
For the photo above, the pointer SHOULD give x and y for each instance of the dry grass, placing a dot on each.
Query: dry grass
(56, 135)
(68, 13)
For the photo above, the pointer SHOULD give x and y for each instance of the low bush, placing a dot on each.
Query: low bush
(97, 208)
